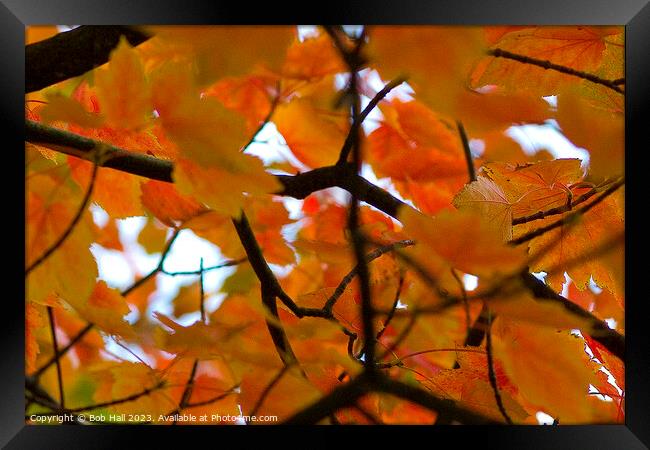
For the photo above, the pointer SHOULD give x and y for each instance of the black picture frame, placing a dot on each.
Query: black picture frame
(634, 14)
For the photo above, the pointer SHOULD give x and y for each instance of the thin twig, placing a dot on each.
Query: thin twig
(569, 217)
(340, 289)
(202, 293)
(379, 96)
(471, 171)
(187, 392)
(491, 375)
(214, 399)
(548, 65)
(68, 231)
(50, 315)
(392, 309)
(267, 389)
(205, 269)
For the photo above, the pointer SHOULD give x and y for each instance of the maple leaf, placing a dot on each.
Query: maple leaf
(487, 199)
(580, 48)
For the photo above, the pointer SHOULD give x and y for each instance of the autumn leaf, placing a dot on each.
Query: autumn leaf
(487, 199)
(581, 48)
(123, 90)
(558, 358)
(436, 250)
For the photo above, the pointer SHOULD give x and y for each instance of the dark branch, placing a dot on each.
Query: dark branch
(491, 375)
(347, 145)
(73, 53)
(296, 186)
(431, 402)
(270, 288)
(55, 346)
(267, 389)
(569, 217)
(340, 289)
(468, 153)
(611, 84)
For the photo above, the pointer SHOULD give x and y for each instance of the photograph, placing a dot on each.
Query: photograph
(345, 225)
(383, 220)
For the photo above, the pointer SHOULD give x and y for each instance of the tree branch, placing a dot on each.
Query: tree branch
(569, 217)
(468, 153)
(347, 145)
(491, 375)
(297, 186)
(270, 287)
(55, 346)
(73, 53)
(545, 64)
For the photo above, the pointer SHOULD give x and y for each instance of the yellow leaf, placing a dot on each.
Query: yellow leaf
(598, 130)
(580, 48)
(34, 320)
(167, 205)
(70, 271)
(105, 308)
(203, 129)
(223, 190)
(550, 368)
(314, 57)
(531, 188)
(523, 307)
(188, 299)
(437, 61)
(314, 136)
(65, 109)
(560, 246)
(116, 192)
(289, 395)
(123, 90)
(152, 237)
(486, 198)
(460, 239)
(212, 48)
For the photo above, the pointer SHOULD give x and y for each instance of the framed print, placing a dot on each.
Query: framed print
(412, 217)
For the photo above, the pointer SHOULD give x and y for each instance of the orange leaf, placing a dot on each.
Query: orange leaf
(123, 90)
(167, 204)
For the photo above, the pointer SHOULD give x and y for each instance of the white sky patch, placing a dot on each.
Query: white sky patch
(565, 285)
(605, 398)
(112, 267)
(477, 146)
(540, 275)
(119, 351)
(611, 323)
(268, 145)
(533, 138)
(543, 418)
(594, 287)
(551, 100)
(307, 31)
(470, 282)
(100, 217)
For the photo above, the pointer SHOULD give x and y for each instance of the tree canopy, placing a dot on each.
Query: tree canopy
(353, 306)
